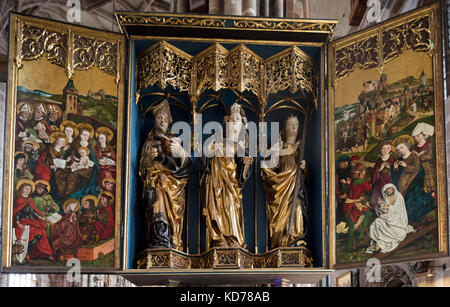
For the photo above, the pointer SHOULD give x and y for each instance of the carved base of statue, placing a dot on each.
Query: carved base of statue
(225, 258)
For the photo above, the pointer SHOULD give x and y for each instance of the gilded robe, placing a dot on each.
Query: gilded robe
(408, 173)
(286, 225)
(222, 184)
(165, 178)
(426, 153)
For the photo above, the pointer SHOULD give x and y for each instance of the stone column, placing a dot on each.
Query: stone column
(265, 8)
(182, 6)
(214, 7)
(249, 8)
(278, 8)
(233, 7)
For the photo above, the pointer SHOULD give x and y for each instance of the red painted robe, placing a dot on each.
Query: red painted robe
(66, 233)
(41, 169)
(381, 178)
(105, 225)
(106, 171)
(37, 227)
(354, 205)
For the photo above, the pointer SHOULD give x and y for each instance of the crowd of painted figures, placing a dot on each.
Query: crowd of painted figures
(64, 180)
(391, 198)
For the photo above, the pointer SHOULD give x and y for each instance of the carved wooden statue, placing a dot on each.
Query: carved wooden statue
(164, 168)
(225, 174)
(286, 195)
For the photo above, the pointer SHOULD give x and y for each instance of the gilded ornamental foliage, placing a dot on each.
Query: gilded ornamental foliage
(365, 52)
(218, 68)
(67, 49)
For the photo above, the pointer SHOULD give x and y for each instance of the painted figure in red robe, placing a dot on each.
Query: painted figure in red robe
(25, 213)
(104, 223)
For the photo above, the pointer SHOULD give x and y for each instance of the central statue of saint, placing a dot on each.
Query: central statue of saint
(164, 168)
(225, 173)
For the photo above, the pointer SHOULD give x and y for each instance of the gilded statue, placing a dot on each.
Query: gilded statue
(286, 194)
(226, 167)
(164, 169)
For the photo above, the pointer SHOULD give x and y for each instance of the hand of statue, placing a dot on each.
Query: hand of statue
(177, 150)
(20, 225)
(248, 160)
(303, 165)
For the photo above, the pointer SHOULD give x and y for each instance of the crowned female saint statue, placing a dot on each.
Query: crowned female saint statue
(226, 169)
(286, 195)
(164, 168)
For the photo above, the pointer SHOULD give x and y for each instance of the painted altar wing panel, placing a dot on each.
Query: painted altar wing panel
(387, 155)
(64, 147)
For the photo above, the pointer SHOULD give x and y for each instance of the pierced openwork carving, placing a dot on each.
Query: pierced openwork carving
(216, 68)
(245, 70)
(87, 52)
(363, 54)
(291, 70)
(302, 26)
(211, 69)
(35, 41)
(171, 21)
(414, 35)
(65, 49)
(225, 258)
(165, 65)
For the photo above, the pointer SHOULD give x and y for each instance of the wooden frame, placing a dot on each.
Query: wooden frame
(79, 58)
(370, 58)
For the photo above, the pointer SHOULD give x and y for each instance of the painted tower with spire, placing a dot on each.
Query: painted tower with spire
(70, 100)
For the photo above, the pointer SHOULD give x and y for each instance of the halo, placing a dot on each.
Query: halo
(19, 106)
(404, 138)
(108, 179)
(44, 183)
(85, 126)
(56, 135)
(28, 142)
(95, 199)
(85, 149)
(25, 181)
(72, 200)
(107, 194)
(71, 124)
(105, 131)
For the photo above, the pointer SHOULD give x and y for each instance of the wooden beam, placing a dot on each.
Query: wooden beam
(3, 68)
(357, 13)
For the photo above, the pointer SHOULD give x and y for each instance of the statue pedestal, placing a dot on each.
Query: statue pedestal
(225, 258)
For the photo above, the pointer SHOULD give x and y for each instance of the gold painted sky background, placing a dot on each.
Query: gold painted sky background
(45, 76)
(409, 63)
